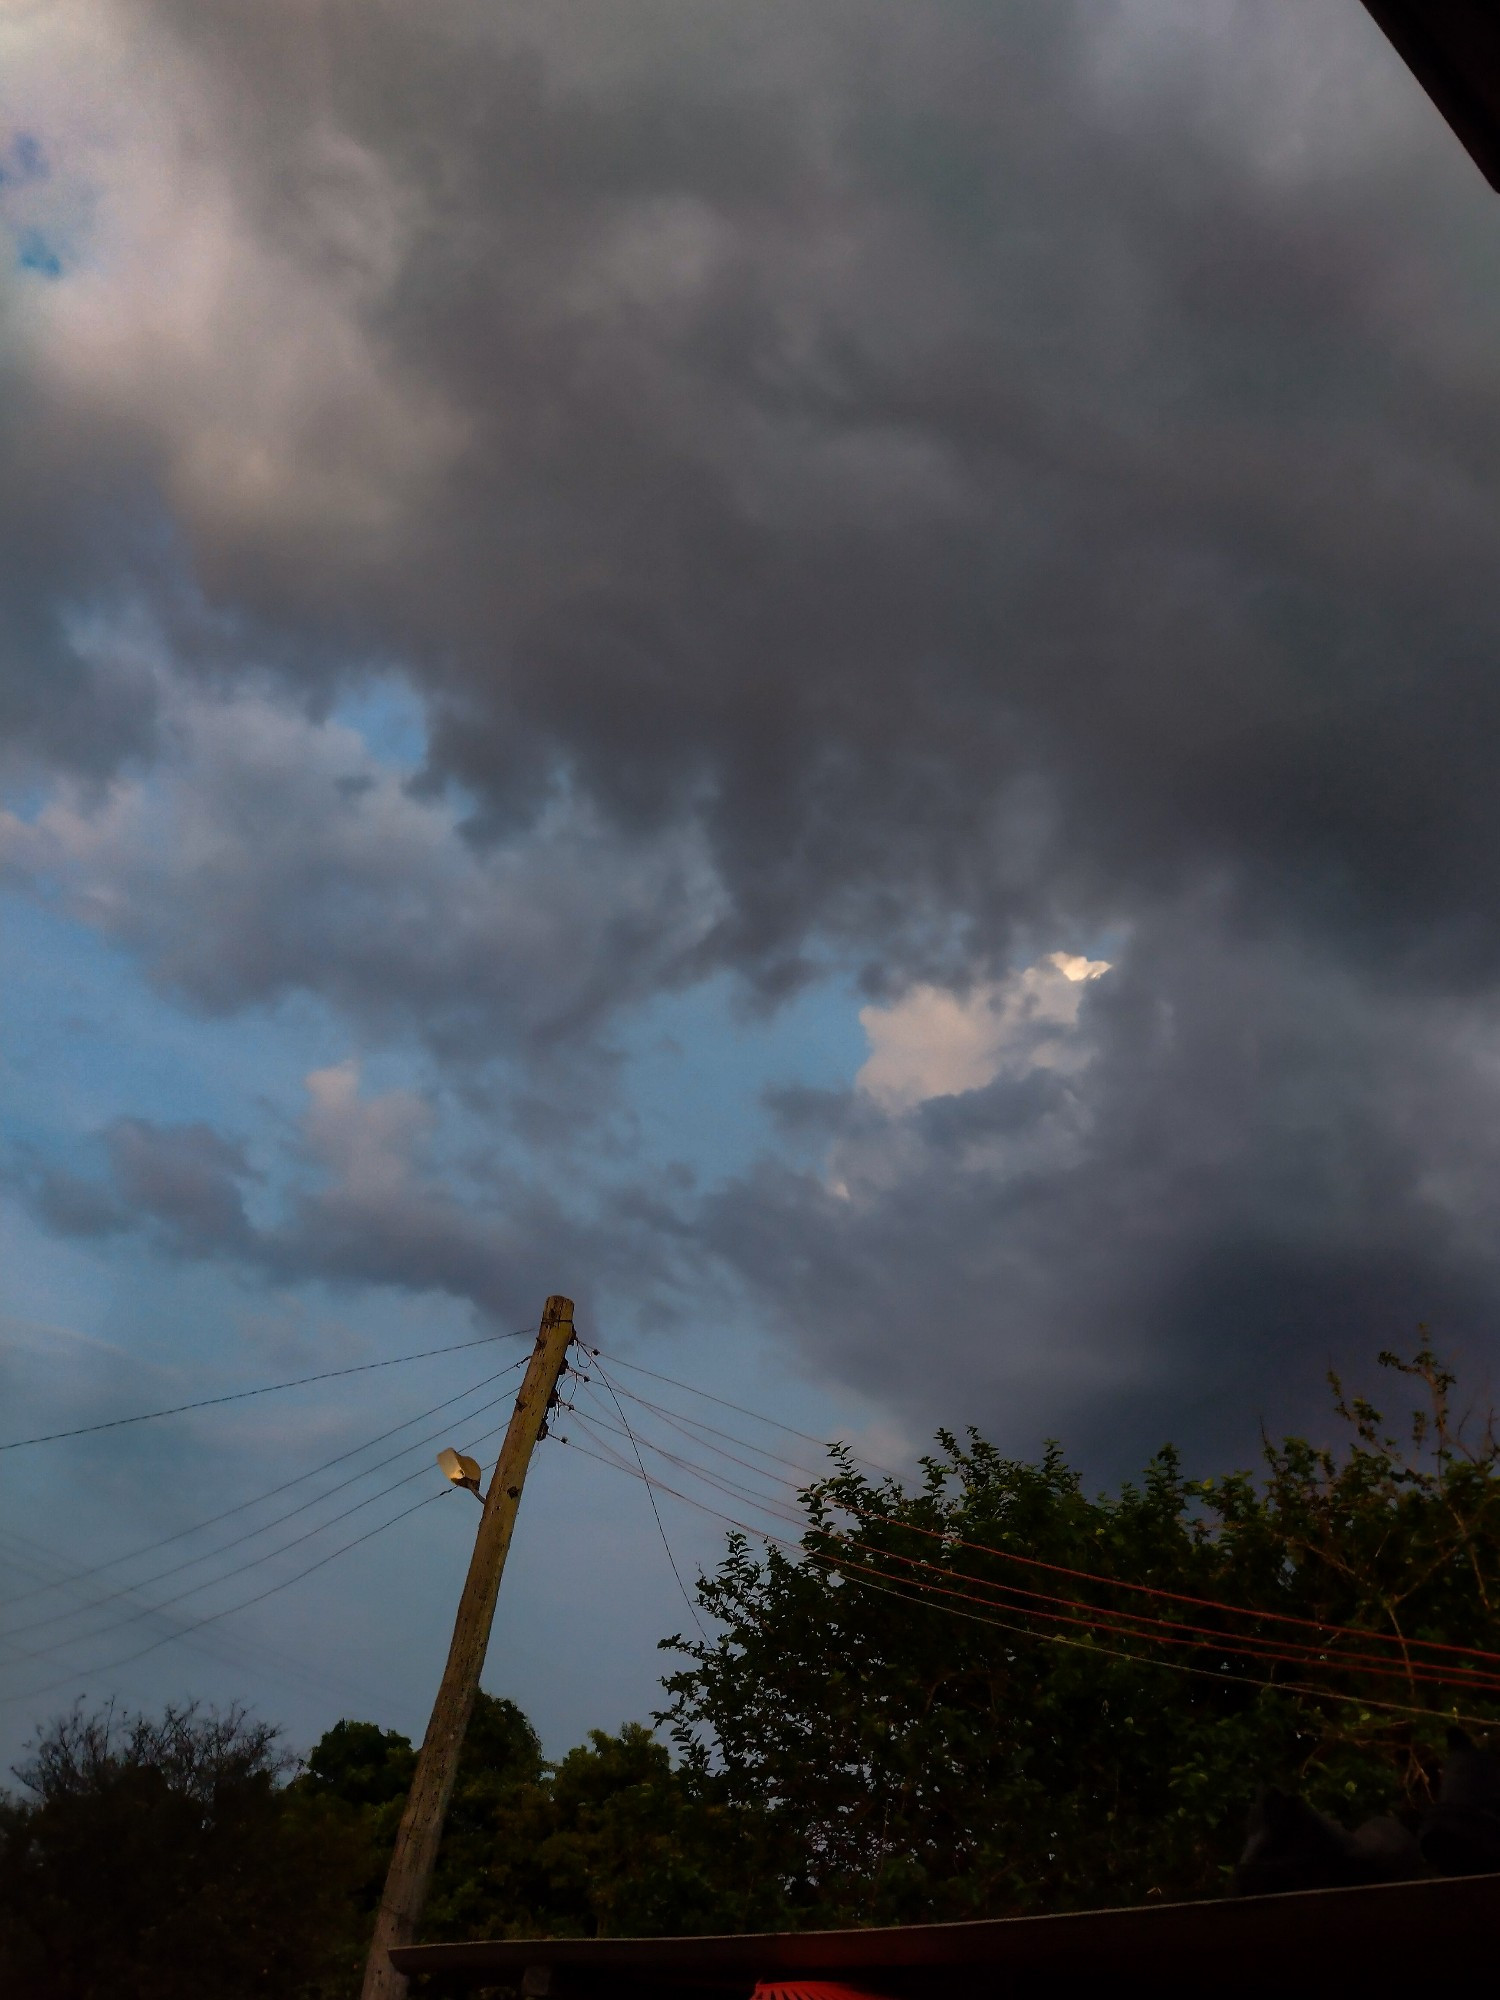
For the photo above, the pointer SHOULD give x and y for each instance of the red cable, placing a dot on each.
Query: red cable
(1119, 1583)
(1056, 1639)
(1249, 1643)
(1104, 1616)
(1183, 1667)
(1203, 1603)
(1249, 1646)
(1236, 1640)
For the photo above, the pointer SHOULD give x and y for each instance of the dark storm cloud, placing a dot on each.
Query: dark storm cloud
(923, 485)
(900, 469)
(977, 462)
(1258, 1171)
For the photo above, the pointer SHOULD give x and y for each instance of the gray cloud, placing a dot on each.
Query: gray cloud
(920, 486)
(963, 501)
(181, 1184)
(271, 854)
(1254, 1172)
(186, 1179)
(362, 1198)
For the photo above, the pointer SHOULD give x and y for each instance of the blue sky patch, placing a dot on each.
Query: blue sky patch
(31, 161)
(390, 718)
(35, 253)
(23, 160)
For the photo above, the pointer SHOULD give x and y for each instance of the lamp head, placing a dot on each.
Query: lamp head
(461, 1469)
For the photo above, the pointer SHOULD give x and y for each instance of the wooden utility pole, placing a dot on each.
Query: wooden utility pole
(437, 1764)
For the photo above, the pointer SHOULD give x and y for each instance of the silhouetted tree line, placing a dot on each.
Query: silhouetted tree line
(847, 1749)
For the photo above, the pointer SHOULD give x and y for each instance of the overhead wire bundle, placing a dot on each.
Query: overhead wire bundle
(754, 1488)
(243, 1395)
(130, 1601)
(1176, 1630)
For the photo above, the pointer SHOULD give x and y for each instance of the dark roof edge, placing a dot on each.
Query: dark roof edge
(1324, 1915)
(1452, 48)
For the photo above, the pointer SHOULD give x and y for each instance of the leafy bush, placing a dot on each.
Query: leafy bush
(903, 1703)
(162, 1858)
(942, 1702)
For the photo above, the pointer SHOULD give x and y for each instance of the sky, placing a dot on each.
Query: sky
(822, 676)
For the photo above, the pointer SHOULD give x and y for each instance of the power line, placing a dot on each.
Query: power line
(250, 1534)
(1403, 1640)
(777, 1507)
(743, 1410)
(1169, 1666)
(1329, 1628)
(287, 1667)
(268, 1389)
(692, 1427)
(239, 1569)
(1128, 1624)
(212, 1617)
(161, 1608)
(687, 1600)
(859, 1582)
(255, 1500)
(1167, 1631)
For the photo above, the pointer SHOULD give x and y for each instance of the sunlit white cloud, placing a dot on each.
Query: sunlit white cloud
(935, 1043)
(239, 366)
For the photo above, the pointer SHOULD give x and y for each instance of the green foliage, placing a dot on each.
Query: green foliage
(642, 1847)
(613, 1839)
(863, 1742)
(361, 1764)
(157, 1860)
(921, 1755)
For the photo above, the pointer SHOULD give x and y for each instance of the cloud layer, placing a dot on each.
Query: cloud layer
(912, 491)
(966, 466)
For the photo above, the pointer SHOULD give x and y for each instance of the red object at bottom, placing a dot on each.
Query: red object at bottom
(812, 1989)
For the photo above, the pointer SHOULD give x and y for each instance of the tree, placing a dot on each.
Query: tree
(933, 1728)
(161, 1858)
(362, 1764)
(614, 1838)
(644, 1847)
(988, 1694)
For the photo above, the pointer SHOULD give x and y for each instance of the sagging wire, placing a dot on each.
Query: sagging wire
(1127, 1624)
(868, 1582)
(733, 1487)
(289, 1668)
(1331, 1629)
(692, 1429)
(249, 1534)
(742, 1409)
(255, 1500)
(660, 1527)
(213, 1617)
(266, 1389)
(1182, 1632)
